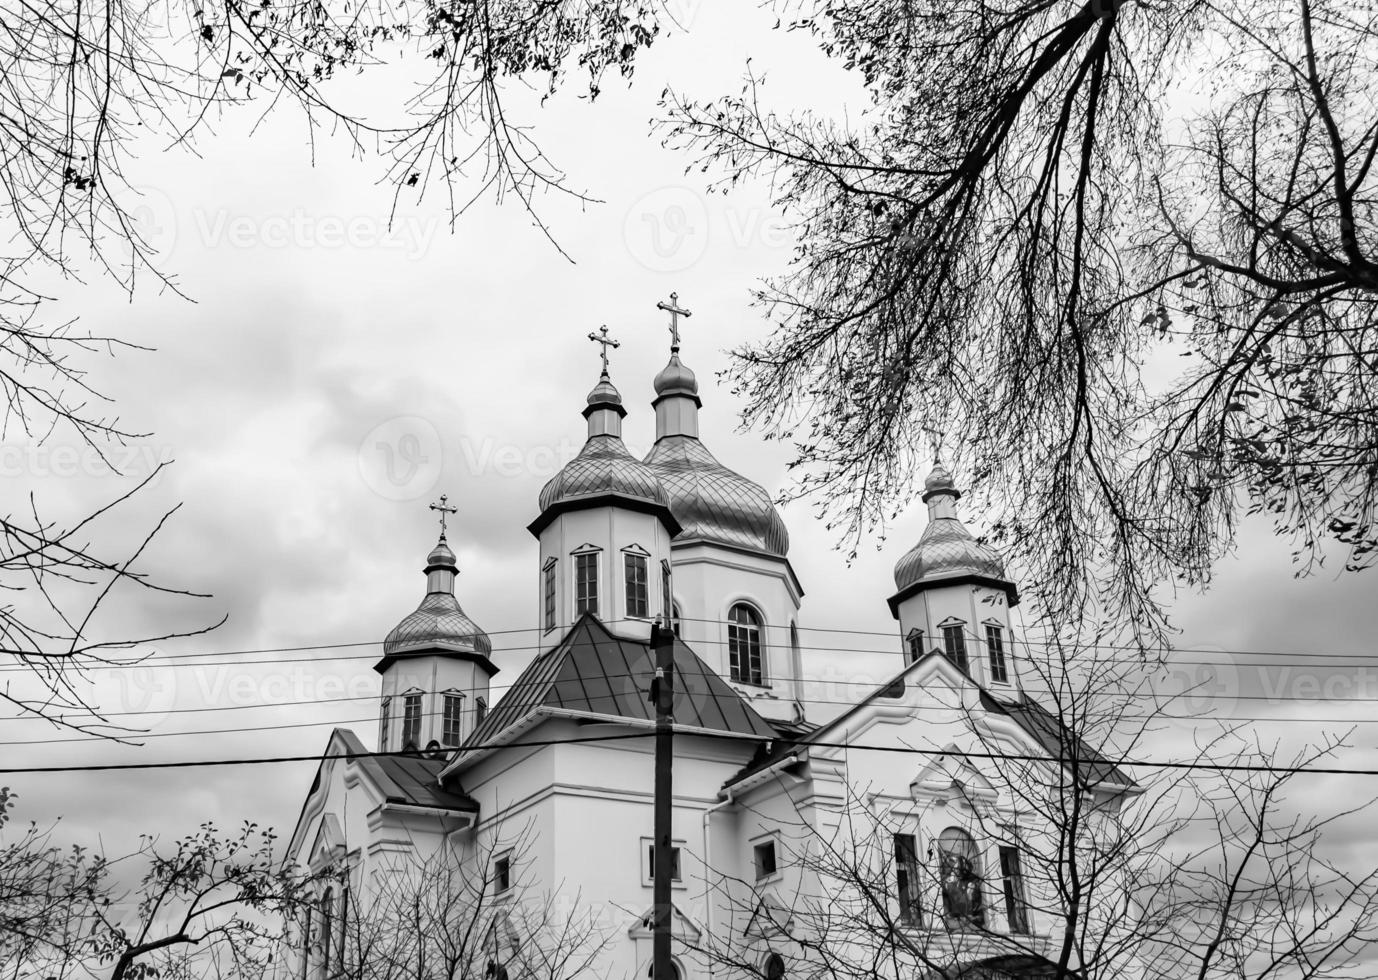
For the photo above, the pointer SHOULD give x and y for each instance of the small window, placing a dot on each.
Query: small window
(549, 586)
(480, 711)
(638, 591)
(774, 968)
(1016, 902)
(674, 619)
(907, 879)
(764, 853)
(995, 644)
(651, 863)
(955, 645)
(667, 605)
(327, 907)
(586, 583)
(495, 971)
(913, 645)
(454, 704)
(383, 725)
(502, 873)
(411, 721)
(744, 644)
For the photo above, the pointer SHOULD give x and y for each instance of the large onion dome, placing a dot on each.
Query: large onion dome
(438, 624)
(947, 550)
(714, 504)
(676, 379)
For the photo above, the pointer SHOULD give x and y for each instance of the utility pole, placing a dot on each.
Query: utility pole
(662, 694)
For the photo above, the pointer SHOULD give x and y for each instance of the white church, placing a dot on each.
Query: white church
(875, 831)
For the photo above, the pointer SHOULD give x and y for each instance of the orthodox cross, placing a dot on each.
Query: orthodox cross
(606, 341)
(445, 511)
(673, 308)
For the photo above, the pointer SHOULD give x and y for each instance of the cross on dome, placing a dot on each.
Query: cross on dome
(445, 511)
(675, 311)
(600, 336)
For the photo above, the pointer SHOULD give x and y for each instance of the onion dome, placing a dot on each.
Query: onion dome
(947, 550)
(604, 472)
(438, 624)
(676, 379)
(715, 504)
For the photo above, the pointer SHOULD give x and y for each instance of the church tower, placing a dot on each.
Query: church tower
(605, 529)
(436, 666)
(953, 595)
(735, 596)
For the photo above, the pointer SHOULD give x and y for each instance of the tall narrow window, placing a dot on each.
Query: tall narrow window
(959, 873)
(502, 874)
(744, 644)
(586, 583)
(995, 644)
(411, 721)
(674, 619)
(343, 944)
(383, 725)
(913, 644)
(327, 901)
(549, 585)
(1016, 903)
(907, 879)
(454, 703)
(667, 605)
(638, 591)
(955, 645)
(480, 711)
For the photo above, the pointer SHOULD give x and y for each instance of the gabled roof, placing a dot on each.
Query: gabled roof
(593, 671)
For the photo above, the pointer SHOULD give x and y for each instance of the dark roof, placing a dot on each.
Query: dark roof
(592, 670)
(1047, 729)
(412, 780)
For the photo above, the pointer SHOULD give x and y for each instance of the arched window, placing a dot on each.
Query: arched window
(744, 644)
(383, 725)
(774, 967)
(675, 973)
(914, 645)
(959, 873)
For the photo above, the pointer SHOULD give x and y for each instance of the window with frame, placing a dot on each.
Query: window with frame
(636, 577)
(650, 875)
(586, 583)
(411, 721)
(674, 619)
(675, 973)
(502, 874)
(549, 586)
(327, 903)
(744, 645)
(774, 967)
(667, 604)
(959, 877)
(1016, 900)
(907, 879)
(955, 645)
(763, 857)
(480, 711)
(995, 646)
(383, 725)
(913, 645)
(451, 727)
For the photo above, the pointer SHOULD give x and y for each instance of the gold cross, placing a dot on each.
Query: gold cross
(673, 308)
(606, 341)
(445, 510)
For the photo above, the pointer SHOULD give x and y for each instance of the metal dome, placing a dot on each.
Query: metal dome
(714, 504)
(945, 550)
(441, 555)
(603, 466)
(676, 379)
(438, 621)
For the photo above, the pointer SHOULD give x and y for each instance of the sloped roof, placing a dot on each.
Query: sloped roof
(413, 780)
(594, 671)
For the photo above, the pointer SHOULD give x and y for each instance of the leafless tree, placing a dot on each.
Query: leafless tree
(1215, 868)
(1042, 206)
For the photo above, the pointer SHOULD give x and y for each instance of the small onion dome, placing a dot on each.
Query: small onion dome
(437, 622)
(441, 556)
(676, 379)
(947, 550)
(714, 504)
(603, 467)
(939, 480)
(604, 393)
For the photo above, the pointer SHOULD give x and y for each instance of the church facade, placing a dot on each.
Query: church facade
(525, 814)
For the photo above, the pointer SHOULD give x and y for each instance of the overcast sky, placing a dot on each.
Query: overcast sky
(328, 377)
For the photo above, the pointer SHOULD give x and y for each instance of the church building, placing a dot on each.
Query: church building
(526, 813)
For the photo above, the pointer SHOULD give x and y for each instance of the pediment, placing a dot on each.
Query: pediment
(681, 926)
(770, 918)
(951, 776)
(329, 843)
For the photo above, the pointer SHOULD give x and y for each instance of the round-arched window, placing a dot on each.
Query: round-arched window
(675, 973)
(959, 874)
(775, 967)
(744, 644)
